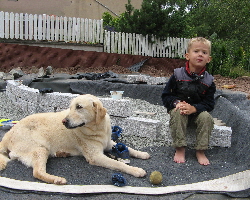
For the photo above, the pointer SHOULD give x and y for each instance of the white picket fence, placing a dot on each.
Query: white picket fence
(137, 44)
(51, 28)
(88, 31)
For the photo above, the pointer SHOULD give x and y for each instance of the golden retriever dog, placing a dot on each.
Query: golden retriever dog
(83, 129)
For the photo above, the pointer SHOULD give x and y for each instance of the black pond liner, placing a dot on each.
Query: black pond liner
(233, 108)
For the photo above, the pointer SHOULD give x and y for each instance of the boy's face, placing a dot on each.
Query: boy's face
(198, 56)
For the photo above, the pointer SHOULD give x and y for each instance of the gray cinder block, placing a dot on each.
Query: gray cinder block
(117, 107)
(138, 126)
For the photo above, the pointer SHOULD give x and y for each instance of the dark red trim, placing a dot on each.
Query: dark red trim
(188, 70)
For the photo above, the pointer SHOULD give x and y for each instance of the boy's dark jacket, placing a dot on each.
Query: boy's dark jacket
(197, 90)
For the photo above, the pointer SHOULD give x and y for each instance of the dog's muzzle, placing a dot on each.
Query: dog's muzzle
(68, 125)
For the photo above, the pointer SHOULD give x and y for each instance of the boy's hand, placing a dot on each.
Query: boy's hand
(185, 108)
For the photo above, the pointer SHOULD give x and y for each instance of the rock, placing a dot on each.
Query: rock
(17, 73)
(1, 75)
(41, 72)
(49, 70)
(8, 76)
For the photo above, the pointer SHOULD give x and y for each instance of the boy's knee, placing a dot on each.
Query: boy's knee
(205, 117)
(176, 114)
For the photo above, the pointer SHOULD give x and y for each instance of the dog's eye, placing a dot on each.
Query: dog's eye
(78, 106)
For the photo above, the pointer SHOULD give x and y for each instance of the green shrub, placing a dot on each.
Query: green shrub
(228, 59)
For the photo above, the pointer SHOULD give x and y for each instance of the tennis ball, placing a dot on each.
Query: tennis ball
(155, 177)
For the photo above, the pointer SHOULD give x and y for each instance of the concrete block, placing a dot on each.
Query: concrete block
(45, 109)
(10, 85)
(56, 99)
(157, 80)
(31, 107)
(117, 107)
(137, 78)
(220, 136)
(10, 95)
(146, 79)
(138, 126)
(27, 93)
(21, 91)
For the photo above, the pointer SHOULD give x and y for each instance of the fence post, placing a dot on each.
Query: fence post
(61, 29)
(159, 44)
(73, 29)
(44, 25)
(78, 29)
(35, 20)
(130, 43)
(52, 28)
(31, 31)
(93, 32)
(21, 26)
(17, 26)
(107, 41)
(116, 39)
(56, 32)
(1, 24)
(101, 31)
(65, 28)
(112, 41)
(47, 27)
(119, 42)
(12, 25)
(40, 27)
(82, 26)
(86, 30)
(7, 26)
(26, 26)
(90, 31)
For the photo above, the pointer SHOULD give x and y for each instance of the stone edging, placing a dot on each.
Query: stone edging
(31, 101)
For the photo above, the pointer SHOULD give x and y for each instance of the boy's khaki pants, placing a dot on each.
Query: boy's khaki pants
(178, 123)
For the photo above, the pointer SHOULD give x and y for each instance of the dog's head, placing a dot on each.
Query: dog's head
(84, 109)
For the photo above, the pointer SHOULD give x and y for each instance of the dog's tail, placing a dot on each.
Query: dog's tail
(4, 159)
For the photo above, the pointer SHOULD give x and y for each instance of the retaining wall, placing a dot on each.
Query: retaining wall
(148, 131)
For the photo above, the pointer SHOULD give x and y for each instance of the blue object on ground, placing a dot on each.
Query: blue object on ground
(120, 150)
(118, 180)
(116, 133)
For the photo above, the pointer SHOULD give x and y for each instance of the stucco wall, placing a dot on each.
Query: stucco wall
(90, 9)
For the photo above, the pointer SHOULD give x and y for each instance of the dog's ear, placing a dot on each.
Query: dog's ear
(100, 111)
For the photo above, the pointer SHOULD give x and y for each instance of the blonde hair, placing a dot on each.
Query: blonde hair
(199, 39)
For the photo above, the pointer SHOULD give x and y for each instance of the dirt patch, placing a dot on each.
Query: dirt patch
(74, 61)
(241, 84)
(31, 58)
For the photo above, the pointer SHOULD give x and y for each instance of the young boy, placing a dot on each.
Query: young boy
(188, 97)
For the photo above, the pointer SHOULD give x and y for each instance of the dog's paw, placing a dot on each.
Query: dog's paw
(139, 172)
(2, 165)
(60, 181)
(138, 154)
(144, 155)
(3, 161)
